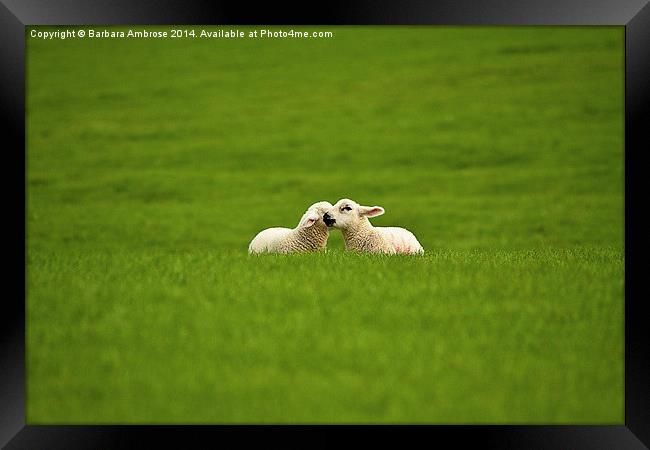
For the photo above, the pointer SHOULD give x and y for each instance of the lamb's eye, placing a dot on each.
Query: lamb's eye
(346, 208)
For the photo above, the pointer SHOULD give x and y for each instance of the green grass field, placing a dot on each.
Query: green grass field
(151, 164)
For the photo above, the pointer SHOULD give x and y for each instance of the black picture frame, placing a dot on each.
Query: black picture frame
(634, 15)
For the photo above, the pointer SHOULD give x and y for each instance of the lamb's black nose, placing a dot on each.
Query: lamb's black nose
(329, 220)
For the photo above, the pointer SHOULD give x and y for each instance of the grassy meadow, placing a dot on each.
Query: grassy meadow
(151, 164)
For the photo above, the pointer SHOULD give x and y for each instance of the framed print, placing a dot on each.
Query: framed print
(364, 213)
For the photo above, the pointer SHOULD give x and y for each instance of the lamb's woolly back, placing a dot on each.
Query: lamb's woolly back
(401, 239)
(268, 240)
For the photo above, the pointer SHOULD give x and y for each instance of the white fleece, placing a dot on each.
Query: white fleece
(401, 240)
(393, 240)
(309, 236)
(359, 234)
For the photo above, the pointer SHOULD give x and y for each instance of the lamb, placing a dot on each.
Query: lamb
(310, 235)
(359, 234)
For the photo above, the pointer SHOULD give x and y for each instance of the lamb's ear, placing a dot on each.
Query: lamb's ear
(371, 211)
(308, 220)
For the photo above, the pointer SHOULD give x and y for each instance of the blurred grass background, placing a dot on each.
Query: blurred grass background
(152, 163)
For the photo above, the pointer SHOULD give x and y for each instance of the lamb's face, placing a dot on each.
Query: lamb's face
(346, 213)
(314, 216)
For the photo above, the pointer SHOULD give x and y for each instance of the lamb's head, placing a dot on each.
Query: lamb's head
(313, 217)
(347, 213)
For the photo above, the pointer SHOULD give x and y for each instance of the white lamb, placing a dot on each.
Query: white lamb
(309, 236)
(359, 234)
